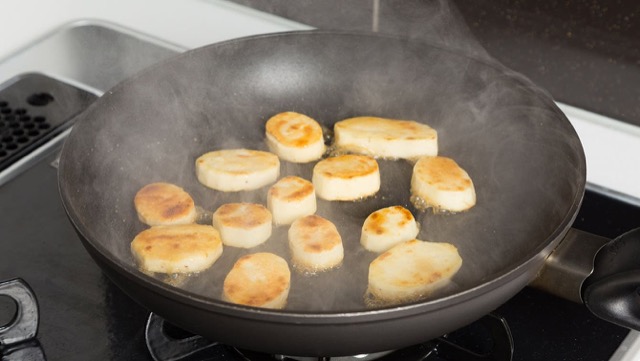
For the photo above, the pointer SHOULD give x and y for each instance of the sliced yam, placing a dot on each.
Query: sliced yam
(164, 204)
(386, 138)
(346, 177)
(291, 198)
(233, 170)
(295, 137)
(412, 270)
(177, 249)
(259, 280)
(441, 183)
(243, 225)
(387, 227)
(315, 244)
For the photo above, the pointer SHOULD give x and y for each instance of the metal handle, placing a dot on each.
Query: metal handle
(568, 266)
(603, 274)
(25, 323)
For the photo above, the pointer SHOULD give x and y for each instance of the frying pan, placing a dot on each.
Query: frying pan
(525, 159)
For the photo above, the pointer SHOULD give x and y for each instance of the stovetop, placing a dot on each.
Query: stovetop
(85, 317)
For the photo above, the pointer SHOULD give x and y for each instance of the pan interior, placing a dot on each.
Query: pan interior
(521, 152)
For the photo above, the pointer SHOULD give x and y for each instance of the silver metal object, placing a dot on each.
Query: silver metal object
(569, 265)
(91, 55)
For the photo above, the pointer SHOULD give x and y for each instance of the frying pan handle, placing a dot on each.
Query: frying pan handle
(612, 291)
(568, 266)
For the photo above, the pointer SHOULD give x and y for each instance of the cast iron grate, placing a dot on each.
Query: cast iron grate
(488, 339)
(33, 109)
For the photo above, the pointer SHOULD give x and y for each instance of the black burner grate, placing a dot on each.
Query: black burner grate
(33, 109)
(488, 339)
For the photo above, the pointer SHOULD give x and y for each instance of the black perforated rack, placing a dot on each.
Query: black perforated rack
(35, 108)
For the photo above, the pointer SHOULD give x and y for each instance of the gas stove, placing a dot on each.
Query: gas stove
(84, 316)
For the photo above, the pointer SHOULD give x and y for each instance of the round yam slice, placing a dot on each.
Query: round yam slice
(243, 225)
(177, 249)
(295, 137)
(164, 204)
(259, 280)
(315, 244)
(441, 183)
(291, 198)
(233, 170)
(412, 270)
(346, 177)
(387, 227)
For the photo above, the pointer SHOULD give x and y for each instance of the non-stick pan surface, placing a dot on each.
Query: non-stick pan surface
(523, 155)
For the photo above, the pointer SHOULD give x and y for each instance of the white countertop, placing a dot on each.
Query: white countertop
(188, 23)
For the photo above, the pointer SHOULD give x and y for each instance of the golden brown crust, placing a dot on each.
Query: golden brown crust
(346, 166)
(242, 215)
(378, 220)
(390, 129)
(258, 279)
(294, 129)
(443, 172)
(291, 189)
(164, 203)
(176, 247)
(315, 244)
(238, 161)
(412, 269)
(316, 234)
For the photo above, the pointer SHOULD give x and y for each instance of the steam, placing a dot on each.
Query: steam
(436, 22)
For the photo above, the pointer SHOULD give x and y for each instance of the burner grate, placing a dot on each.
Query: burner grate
(488, 339)
(33, 109)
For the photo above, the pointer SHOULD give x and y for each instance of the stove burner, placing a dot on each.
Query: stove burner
(488, 339)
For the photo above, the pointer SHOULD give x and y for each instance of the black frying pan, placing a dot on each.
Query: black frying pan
(523, 155)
